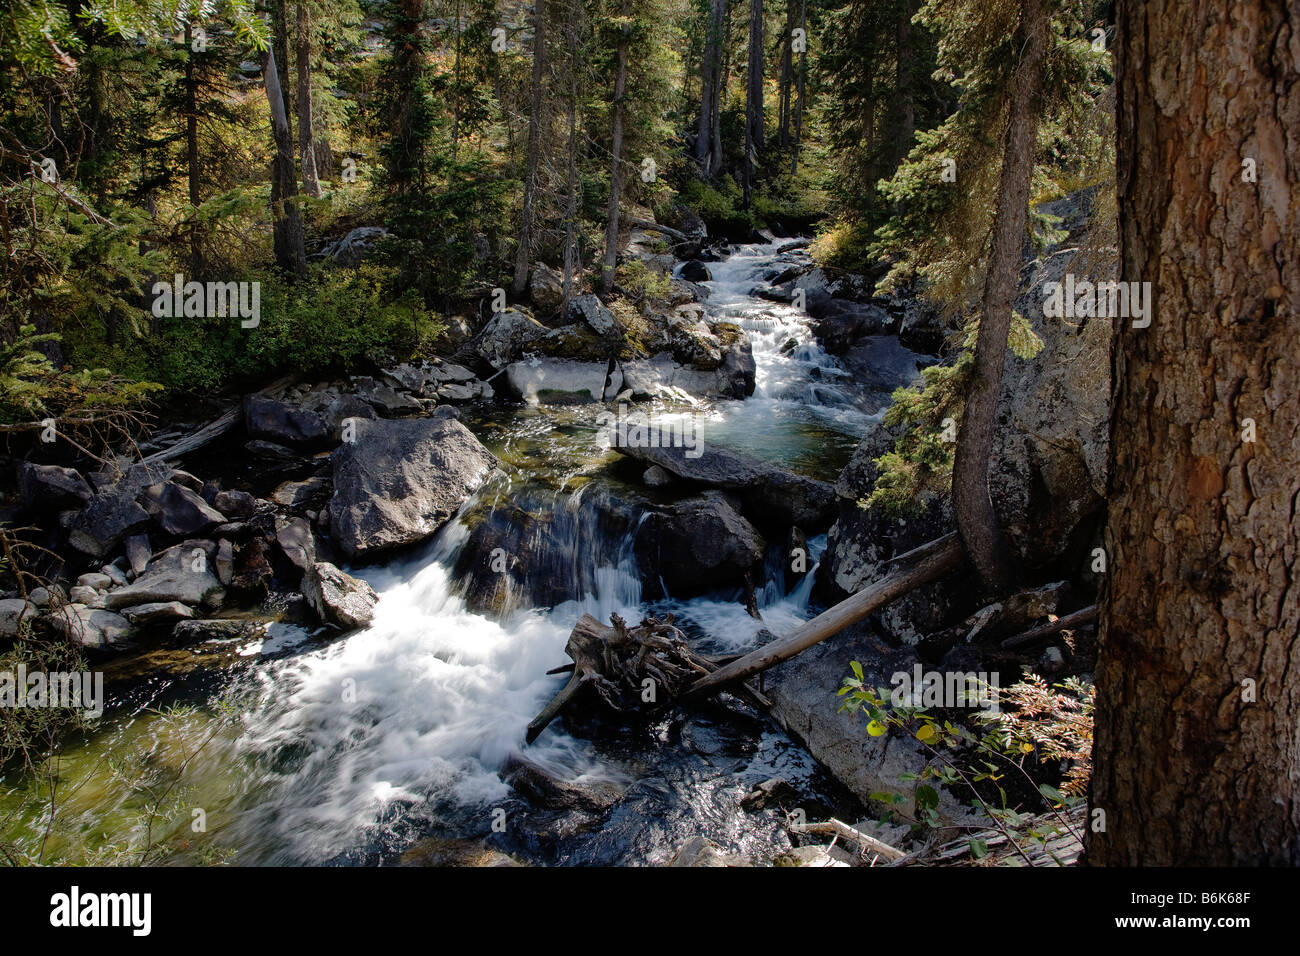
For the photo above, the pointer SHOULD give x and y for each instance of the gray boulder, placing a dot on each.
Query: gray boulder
(507, 335)
(695, 546)
(545, 288)
(91, 627)
(399, 481)
(12, 612)
(561, 381)
(337, 597)
(589, 309)
(159, 613)
(178, 510)
(183, 573)
(48, 488)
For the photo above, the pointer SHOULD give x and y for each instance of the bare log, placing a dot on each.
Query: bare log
(197, 439)
(922, 565)
(864, 841)
(656, 227)
(1082, 616)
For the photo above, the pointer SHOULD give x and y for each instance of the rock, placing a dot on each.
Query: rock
(253, 570)
(452, 851)
(542, 788)
(660, 376)
(695, 271)
(545, 288)
(774, 497)
(296, 494)
(352, 248)
(507, 335)
(337, 597)
(159, 613)
(589, 309)
(14, 611)
(38, 596)
(550, 381)
(282, 423)
(802, 691)
(224, 562)
(384, 399)
(701, 851)
(46, 488)
(95, 580)
(1047, 474)
(443, 372)
(813, 856)
(656, 477)
(696, 545)
(182, 573)
(90, 627)
(110, 516)
(401, 480)
(456, 393)
(298, 543)
(186, 480)
(235, 503)
(87, 596)
(188, 632)
(838, 324)
(272, 451)
(116, 575)
(179, 511)
(138, 553)
(770, 793)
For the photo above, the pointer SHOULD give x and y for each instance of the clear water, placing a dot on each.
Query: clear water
(355, 750)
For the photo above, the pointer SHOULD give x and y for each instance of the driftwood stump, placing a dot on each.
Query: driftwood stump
(617, 662)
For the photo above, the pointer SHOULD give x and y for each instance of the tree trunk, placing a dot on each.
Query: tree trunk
(803, 70)
(290, 250)
(784, 91)
(903, 80)
(192, 150)
(280, 46)
(524, 253)
(572, 265)
(1197, 747)
(753, 96)
(306, 141)
(615, 170)
(710, 158)
(976, 520)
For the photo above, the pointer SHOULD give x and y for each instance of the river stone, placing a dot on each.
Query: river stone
(399, 481)
(182, 573)
(701, 851)
(198, 631)
(297, 542)
(95, 579)
(235, 503)
(772, 495)
(179, 511)
(696, 545)
(51, 488)
(160, 612)
(295, 494)
(507, 335)
(550, 381)
(90, 627)
(337, 597)
(695, 271)
(110, 516)
(138, 553)
(13, 611)
(80, 594)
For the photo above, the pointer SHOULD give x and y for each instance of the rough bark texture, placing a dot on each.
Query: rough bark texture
(288, 239)
(524, 253)
(306, 141)
(753, 96)
(615, 169)
(709, 156)
(972, 505)
(1203, 531)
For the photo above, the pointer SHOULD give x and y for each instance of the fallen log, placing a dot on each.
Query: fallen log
(197, 439)
(617, 662)
(1075, 619)
(649, 226)
(866, 843)
(920, 566)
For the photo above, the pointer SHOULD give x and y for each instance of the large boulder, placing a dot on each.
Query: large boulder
(773, 497)
(337, 597)
(48, 488)
(695, 546)
(109, 517)
(507, 335)
(178, 510)
(302, 418)
(183, 573)
(13, 611)
(1047, 476)
(399, 481)
(546, 289)
(549, 381)
(593, 312)
(90, 627)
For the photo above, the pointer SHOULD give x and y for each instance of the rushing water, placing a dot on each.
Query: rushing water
(391, 740)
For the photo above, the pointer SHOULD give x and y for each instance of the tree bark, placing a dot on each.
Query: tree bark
(610, 260)
(524, 253)
(306, 140)
(706, 137)
(290, 246)
(753, 96)
(280, 46)
(976, 520)
(192, 149)
(803, 70)
(1203, 529)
